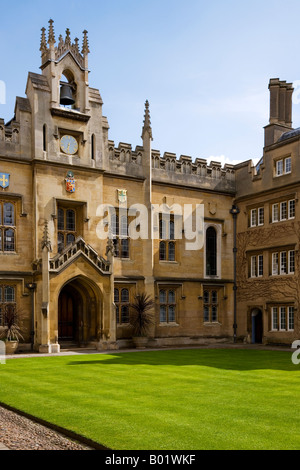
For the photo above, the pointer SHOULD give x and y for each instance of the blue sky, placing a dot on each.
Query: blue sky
(203, 66)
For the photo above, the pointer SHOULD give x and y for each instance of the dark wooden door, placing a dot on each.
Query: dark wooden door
(65, 316)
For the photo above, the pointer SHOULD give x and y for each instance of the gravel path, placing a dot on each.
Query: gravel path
(20, 433)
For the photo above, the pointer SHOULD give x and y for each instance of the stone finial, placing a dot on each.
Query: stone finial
(85, 44)
(60, 42)
(147, 122)
(51, 36)
(68, 39)
(46, 243)
(76, 44)
(43, 47)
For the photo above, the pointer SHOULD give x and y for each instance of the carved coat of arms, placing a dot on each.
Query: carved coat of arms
(70, 182)
(212, 208)
(4, 180)
(122, 195)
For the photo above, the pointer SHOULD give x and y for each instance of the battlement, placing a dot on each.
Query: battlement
(169, 168)
(124, 153)
(185, 166)
(10, 132)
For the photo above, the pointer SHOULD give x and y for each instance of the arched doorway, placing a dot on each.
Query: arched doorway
(79, 313)
(257, 326)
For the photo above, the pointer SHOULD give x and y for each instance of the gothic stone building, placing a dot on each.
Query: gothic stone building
(73, 287)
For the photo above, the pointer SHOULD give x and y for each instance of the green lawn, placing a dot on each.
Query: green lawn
(173, 400)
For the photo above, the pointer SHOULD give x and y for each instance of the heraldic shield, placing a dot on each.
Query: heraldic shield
(70, 182)
(4, 180)
(122, 195)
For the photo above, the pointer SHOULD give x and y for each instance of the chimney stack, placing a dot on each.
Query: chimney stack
(280, 110)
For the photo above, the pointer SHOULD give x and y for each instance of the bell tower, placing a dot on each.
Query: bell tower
(67, 121)
(66, 69)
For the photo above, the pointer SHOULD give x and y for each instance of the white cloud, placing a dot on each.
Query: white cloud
(222, 159)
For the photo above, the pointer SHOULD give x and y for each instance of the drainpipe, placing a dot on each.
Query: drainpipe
(234, 211)
(32, 286)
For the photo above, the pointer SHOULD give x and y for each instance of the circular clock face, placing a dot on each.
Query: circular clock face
(69, 144)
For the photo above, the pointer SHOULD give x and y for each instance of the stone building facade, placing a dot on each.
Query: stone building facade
(58, 170)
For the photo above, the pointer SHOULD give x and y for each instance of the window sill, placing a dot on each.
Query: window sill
(282, 275)
(212, 323)
(166, 261)
(8, 253)
(168, 324)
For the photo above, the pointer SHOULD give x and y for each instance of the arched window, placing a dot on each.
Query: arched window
(70, 238)
(7, 300)
(162, 229)
(167, 233)
(172, 230)
(116, 295)
(167, 307)
(8, 214)
(70, 220)
(124, 248)
(60, 242)
(210, 306)
(124, 295)
(211, 251)
(9, 240)
(66, 227)
(124, 226)
(60, 219)
(9, 294)
(115, 225)
(7, 226)
(162, 251)
(171, 251)
(121, 300)
(120, 232)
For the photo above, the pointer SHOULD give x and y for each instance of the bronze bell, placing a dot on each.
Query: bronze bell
(66, 95)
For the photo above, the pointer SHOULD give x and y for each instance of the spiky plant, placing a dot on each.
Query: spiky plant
(11, 331)
(141, 317)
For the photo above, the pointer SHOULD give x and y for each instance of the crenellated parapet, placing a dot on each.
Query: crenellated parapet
(9, 133)
(168, 168)
(124, 153)
(185, 166)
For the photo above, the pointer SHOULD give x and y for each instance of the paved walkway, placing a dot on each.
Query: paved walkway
(80, 351)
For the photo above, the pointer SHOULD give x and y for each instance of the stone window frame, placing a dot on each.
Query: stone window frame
(282, 318)
(4, 227)
(4, 302)
(167, 304)
(210, 303)
(219, 232)
(167, 242)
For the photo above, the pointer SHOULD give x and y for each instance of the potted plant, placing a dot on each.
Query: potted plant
(11, 331)
(141, 319)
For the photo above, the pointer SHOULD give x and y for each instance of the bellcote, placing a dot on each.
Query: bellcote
(66, 68)
(50, 52)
